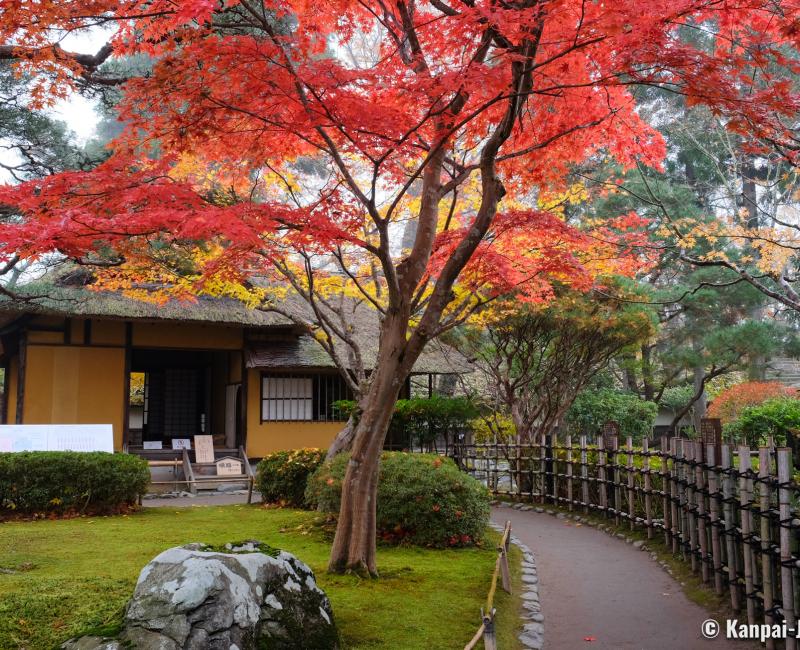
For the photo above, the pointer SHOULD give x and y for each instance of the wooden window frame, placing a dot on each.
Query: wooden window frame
(326, 388)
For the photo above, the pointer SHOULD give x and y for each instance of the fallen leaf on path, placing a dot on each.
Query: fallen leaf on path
(589, 638)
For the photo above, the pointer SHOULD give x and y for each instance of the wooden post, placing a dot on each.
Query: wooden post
(188, 473)
(505, 575)
(601, 474)
(569, 473)
(713, 498)
(543, 469)
(700, 500)
(691, 506)
(746, 514)
(674, 500)
(764, 462)
(584, 476)
(683, 527)
(784, 458)
(629, 470)
(665, 490)
(730, 525)
(617, 479)
(648, 503)
(489, 638)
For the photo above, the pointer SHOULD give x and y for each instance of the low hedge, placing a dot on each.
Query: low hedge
(423, 499)
(281, 477)
(69, 481)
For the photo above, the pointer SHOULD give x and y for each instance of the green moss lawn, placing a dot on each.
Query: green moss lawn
(67, 577)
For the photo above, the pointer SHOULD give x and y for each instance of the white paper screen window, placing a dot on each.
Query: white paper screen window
(287, 398)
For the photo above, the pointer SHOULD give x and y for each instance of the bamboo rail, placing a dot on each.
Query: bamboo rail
(486, 630)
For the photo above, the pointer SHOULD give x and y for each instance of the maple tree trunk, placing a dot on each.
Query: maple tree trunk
(343, 440)
(354, 544)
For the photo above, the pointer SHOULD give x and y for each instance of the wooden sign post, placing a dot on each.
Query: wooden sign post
(711, 434)
(204, 449)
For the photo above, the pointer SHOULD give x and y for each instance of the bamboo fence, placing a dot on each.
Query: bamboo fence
(729, 512)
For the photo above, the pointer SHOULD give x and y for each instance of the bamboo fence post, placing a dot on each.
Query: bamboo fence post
(764, 462)
(584, 475)
(631, 504)
(784, 458)
(617, 485)
(691, 506)
(665, 489)
(553, 466)
(648, 502)
(683, 513)
(673, 491)
(700, 500)
(543, 470)
(569, 473)
(601, 474)
(713, 502)
(746, 513)
(489, 638)
(730, 525)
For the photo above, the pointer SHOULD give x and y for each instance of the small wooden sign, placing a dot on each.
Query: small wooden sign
(229, 466)
(611, 428)
(711, 431)
(711, 434)
(610, 434)
(204, 449)
(181, 443)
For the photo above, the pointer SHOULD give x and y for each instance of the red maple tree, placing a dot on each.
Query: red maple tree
(728, 405)
(328, 125)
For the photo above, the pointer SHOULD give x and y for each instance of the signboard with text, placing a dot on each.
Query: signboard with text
(229, 466)
(204, 449)
(56, 437)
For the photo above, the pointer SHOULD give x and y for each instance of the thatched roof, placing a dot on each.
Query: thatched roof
(306, 353)
(47, 299)
(70, 296)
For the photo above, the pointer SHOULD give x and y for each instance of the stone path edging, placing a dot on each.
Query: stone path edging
(532, 618)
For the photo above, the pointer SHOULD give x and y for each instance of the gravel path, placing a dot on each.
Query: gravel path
(599, 593)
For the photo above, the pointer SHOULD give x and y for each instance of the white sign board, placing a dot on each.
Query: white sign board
(181, 443)
(229, 466)
(56, 437)
(203, 449)
(152, 444)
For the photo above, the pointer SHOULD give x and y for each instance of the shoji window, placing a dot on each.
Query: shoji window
(302, 397)
(287, 397)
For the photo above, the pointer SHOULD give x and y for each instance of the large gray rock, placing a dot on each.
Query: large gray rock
(196, 598)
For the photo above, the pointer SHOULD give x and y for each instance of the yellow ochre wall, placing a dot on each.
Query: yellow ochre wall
(75, 385)
(265, 437)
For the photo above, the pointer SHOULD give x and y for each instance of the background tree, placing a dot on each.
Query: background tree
(535, 360)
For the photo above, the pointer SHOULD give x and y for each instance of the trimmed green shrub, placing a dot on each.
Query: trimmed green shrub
(423, 499)
(69, 481)
(778, 417)
(593, 408)
(422, 420)
(281, 477)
